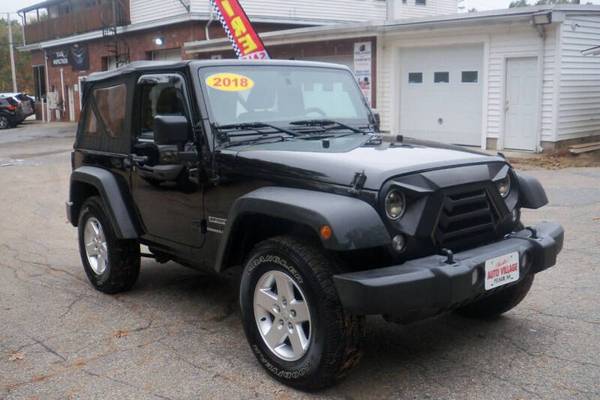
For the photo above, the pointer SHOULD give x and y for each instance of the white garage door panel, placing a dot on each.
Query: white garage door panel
(448, 112)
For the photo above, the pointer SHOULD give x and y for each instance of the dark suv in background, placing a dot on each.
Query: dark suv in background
(11, 112)
(278, 169)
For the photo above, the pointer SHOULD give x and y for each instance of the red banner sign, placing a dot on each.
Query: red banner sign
(246, 42)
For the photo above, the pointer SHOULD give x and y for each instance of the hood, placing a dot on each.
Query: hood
(345, 157)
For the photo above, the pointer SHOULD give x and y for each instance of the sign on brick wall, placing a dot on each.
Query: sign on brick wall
(76, 56)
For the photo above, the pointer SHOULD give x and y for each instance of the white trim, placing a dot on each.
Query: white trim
(378, 68)
(223, 44)
(557, 78)
(540, 92)
(484, 76)
(396, 85)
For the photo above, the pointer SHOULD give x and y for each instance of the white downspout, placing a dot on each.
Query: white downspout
(47, 87)
(62, 90)
(541, 69)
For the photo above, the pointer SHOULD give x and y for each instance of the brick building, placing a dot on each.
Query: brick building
(69, 39)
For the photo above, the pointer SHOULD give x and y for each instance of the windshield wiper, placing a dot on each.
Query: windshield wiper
(326, 125)
(257, 127)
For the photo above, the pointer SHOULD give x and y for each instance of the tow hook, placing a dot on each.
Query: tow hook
(449, 256)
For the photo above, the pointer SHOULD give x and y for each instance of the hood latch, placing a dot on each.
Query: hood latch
(358, 183)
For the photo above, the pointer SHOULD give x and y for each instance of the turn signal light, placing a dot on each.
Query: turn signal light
(326, 232)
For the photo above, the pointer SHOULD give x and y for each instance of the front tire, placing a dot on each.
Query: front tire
(292, 315)
(111, 265)
(498, 303)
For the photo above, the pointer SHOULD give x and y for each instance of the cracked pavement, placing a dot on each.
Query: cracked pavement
(177, 334)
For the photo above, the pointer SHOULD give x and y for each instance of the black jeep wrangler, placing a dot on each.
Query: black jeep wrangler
(279, 168)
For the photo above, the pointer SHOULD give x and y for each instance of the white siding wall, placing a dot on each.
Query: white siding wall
(518, 41)
(308, 10)
(152, 10)
(503, 41)
(432, 7)
(275, 10)
(579, 98)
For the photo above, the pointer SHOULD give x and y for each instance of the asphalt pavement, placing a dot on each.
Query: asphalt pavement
(177, 334)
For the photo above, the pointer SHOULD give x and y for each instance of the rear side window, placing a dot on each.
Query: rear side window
(111, 103)
(104, 120)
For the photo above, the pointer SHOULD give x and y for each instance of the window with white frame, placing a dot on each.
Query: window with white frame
(470, 77)
(441, 77)
(415, 77)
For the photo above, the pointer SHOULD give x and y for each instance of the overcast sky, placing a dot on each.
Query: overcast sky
(14, 5)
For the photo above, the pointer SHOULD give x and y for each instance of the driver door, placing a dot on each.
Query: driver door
(168, 202)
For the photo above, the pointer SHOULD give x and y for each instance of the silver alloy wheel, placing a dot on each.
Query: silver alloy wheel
(96, 248)
(282, 315)
(3, 122)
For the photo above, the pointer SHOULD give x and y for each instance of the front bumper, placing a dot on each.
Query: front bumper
(428, 286)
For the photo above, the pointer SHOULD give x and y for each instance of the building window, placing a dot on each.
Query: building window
(420, 2)
(470, 77)
(441, 77)
(415, 77)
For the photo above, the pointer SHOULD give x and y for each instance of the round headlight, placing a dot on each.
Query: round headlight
(504, 186)
(395, 204)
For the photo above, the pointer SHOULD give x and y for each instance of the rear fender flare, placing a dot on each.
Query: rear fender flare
(107, 186)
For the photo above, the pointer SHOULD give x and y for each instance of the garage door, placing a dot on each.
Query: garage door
(442, 94)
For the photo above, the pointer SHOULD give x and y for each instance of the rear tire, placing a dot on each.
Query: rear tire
(329, 347)
(498, 303)
(112, 265)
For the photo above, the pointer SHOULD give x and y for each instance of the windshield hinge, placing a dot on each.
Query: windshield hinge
(358, 182)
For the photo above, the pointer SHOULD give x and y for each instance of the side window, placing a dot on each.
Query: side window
(111, 103)
(91, 125)
(105, 124)
(160, 95)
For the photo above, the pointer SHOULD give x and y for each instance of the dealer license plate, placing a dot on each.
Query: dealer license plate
(501, 270)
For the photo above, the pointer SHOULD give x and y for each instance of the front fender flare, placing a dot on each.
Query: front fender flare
(107, 186)
(532, 193)
(355, 223)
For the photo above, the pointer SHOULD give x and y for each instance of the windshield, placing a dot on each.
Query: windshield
(281, 94)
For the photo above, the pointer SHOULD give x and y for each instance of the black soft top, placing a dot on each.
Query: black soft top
(149, 66)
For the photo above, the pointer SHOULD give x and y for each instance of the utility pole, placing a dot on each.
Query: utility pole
(12, 53)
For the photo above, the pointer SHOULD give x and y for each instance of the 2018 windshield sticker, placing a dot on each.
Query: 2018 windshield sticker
(229, 82)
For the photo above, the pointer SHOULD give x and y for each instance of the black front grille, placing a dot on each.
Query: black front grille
(467, 218)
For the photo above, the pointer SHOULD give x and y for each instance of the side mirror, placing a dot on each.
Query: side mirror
(377, 121)
(171, 129)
